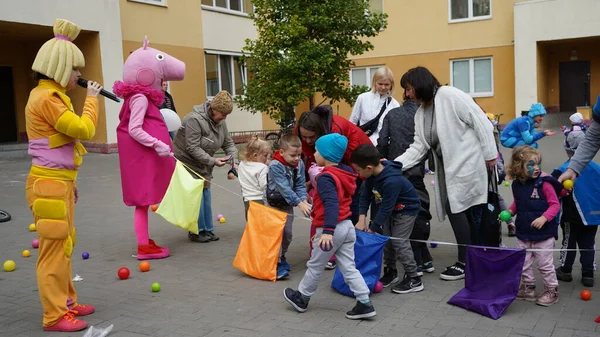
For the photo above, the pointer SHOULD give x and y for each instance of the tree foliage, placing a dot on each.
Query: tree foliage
(302, 49)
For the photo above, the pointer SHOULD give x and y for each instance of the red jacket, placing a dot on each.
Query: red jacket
(345, 185)
(335, 124)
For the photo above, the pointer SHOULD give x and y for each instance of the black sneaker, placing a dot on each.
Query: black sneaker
(408, 285)
(361, 311)
(587, 281)
(454, 272)
(562, 275)
(512, 230)
(294, 298)
(200, 237)
(390, 276)
(330, 265)
(212, 236)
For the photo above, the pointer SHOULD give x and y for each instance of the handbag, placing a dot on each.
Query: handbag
(274, 197)
(490, 227)
(371, 126)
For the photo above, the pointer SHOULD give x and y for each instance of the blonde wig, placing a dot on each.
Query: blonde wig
(58, 56)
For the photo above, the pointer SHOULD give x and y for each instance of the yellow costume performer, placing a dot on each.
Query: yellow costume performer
(53, 130)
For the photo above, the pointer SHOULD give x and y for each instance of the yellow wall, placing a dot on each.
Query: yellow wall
(422, 26)
(176, 30)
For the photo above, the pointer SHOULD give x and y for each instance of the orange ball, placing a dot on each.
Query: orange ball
(585, 295)
(154, 208)
(144, 266)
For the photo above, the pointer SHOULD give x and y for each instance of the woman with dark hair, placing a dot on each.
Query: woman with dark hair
(454, 127)
(321, 121)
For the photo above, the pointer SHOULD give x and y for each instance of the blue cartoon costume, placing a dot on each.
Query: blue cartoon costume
(521, 131)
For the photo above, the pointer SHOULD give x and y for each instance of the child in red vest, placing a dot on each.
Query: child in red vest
(335, 232)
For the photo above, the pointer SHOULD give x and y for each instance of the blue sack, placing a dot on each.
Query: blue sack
(368, 256)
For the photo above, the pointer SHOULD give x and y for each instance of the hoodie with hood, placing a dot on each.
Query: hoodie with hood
(199, 138)
(331, 203)
(520, 131)
(392, 192)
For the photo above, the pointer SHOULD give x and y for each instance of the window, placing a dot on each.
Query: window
(362, 76)
(224, 72)
(243, 6)
(468, 10)
(162, 3)
(473, 76)
(376, 6)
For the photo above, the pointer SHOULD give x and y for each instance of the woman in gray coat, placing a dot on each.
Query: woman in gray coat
(202, 133)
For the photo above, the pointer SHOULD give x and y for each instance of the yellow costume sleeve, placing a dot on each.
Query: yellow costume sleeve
(69, 123)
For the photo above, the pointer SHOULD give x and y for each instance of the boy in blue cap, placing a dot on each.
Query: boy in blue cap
(521, 131)
(335, 232)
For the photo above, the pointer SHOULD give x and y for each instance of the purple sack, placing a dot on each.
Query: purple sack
(485, 270)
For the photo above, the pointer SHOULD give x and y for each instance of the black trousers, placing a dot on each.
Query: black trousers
(421, 231)
(576, 234)
(464, 227)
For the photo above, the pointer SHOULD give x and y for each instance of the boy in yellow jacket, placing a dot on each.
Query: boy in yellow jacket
(54, 131)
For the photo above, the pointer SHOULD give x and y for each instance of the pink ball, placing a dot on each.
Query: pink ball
(433, 183)
(219, 216)
(35, 243)
(378, 287)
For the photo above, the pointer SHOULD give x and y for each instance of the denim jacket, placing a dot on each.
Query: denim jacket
(281, 177)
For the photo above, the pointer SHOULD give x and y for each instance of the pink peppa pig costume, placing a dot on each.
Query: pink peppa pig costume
(145, 155)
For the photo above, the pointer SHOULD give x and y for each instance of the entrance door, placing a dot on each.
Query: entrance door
(8, 115)
(574, 85)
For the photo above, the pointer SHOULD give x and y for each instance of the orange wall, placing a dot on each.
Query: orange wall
(562, 53)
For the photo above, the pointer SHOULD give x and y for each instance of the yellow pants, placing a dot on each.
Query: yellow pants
(52, 203)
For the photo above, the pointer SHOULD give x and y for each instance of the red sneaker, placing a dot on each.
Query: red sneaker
(149, 252)
(68, 324)
(165, 249)
(82, 310)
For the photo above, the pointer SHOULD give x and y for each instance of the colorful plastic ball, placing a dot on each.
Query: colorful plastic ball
(219, 216)
(85, 255)
(9, 265)
(568, 184)
(144, 266)
(585, 295)
(154, 208)
(123, 273)
(155, 287)
(35, 243)
(222, 220)
(506, 183)
(378, 287)
(426, 170)
(433, 245)
(505, 216)
(433, 183)
(32, 227)
(26, 253)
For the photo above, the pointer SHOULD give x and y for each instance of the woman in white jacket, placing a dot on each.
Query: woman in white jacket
(454, 127)
(369, 104)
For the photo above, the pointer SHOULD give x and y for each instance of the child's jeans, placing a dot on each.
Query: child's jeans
(577, 234)
(399, 226)
(544, 261)
(287, 230)
(344, 238)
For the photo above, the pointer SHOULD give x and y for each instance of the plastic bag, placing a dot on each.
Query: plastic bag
(181, 203)
(98, 332)
(259, 247)
(368, 255)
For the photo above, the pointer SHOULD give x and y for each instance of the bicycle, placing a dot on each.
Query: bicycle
(4, 216)
(274, 136)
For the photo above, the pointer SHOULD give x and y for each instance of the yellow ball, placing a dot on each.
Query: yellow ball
(222, 220)
(32, 227)
(9, 265)
(568, 184)
(26, 253)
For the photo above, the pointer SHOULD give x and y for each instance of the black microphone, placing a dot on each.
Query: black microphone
(84, 83)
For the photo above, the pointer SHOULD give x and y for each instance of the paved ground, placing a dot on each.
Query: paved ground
(203, 295)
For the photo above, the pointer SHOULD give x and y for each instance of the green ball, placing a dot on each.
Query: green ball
(505, 216)
(155, 287)
(506, 183)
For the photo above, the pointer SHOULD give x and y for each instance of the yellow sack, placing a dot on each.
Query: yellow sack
(259, 248)
(181, 203)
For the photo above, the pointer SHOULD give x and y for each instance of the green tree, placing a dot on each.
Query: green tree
(302, 49)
